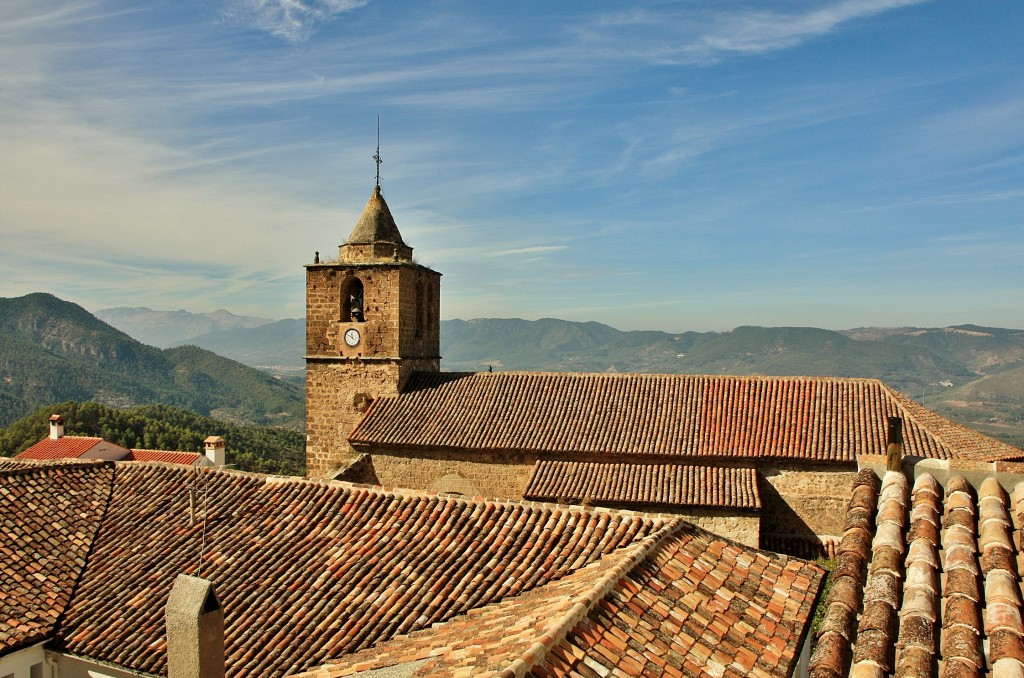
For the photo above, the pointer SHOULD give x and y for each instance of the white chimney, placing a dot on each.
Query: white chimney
(215, 451)
(56, 427)
(195, 630)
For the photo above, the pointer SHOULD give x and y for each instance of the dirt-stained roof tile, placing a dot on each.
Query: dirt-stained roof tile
(310, 572)
(627, 484)
(962, 615)
(808, 418)
(49, 516)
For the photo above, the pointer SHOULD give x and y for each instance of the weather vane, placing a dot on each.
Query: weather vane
(376, 156)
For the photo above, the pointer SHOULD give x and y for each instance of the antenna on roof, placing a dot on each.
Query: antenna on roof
(201, 486)
(376, 156)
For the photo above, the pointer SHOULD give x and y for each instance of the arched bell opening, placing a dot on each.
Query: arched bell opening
(352, 302)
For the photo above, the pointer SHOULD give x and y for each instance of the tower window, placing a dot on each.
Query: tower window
(352, 302)
(420, 309)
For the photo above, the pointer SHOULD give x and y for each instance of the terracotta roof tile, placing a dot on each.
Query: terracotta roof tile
(170, 457)
(307, 571)
(743, 618)
(376, 563)
(66, 447)
(809, 418)
(644, 484)
(959, 606)
(48, 516)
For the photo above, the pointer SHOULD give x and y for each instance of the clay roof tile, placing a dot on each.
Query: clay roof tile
(808, 418)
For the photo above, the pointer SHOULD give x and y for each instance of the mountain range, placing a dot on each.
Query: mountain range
(53, 351)
(969, 373)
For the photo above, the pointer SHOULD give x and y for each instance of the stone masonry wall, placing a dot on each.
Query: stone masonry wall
(342, 380)
(491, 475)
(797, 499)
(337, 395)
(805, 498)
(505, 476)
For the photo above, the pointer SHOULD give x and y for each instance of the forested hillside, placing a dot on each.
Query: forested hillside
(52, 350)
(263, 449)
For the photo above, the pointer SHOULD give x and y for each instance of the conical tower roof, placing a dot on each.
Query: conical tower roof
(375, 225)
(375, 237)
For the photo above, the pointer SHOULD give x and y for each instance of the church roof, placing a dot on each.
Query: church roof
(798, 418)
(375, 224)
(637, 485)
(313, 573)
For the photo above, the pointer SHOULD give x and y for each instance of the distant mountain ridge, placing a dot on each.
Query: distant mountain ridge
(52, 351)
(165, 329)
(970, 373)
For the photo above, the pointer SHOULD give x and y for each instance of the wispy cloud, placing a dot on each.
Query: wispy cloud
(519, 251)
(753, 32)
(293, 20)
(695, 35)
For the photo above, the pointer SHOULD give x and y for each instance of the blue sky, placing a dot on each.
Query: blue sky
(651, 165)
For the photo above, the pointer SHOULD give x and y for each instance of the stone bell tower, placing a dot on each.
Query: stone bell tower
(372, 318)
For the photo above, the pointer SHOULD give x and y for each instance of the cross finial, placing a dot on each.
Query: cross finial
(376, 156)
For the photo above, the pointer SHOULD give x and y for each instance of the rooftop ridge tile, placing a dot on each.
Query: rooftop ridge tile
(520, 666)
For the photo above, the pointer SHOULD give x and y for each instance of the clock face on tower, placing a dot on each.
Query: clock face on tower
(352, 336)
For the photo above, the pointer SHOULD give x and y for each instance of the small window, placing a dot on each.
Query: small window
(36, 671)
(352, 302)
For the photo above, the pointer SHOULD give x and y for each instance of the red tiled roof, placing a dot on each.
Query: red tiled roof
(48, 516)
(685, 600)
(644, 484)
(491, 638)
(701, 606)
(938, 592)
(175, 457)
(306, 571)
(67, 447)
(311, 572)
(808, 418)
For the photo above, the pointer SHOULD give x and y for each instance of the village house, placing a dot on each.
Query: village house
(59, 446)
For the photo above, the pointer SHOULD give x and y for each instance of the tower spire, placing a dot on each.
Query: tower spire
(376, 156)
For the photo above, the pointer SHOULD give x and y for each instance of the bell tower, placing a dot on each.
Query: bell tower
(372, 318)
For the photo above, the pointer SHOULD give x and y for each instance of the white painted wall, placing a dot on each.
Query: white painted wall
(29, 662)
(66, 666)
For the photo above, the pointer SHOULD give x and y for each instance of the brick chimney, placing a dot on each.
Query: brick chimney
(56, 427)
(195, 630)
(894, 445)
(215, 451)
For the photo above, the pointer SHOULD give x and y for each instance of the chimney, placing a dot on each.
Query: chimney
(56, 427)
(894, 445)
(215, 451)
(195, 630)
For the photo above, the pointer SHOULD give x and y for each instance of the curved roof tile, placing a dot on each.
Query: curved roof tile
(644, 484)
(978, 592)
(806, 418)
